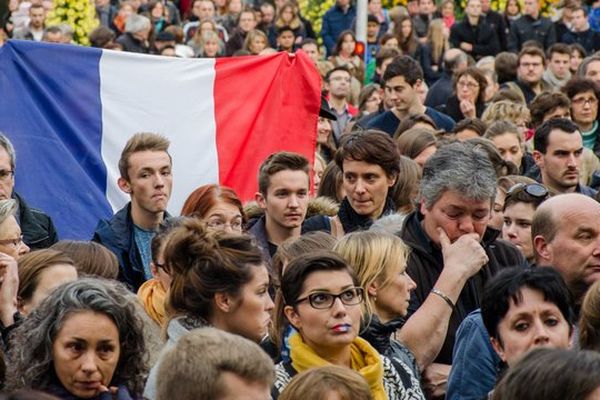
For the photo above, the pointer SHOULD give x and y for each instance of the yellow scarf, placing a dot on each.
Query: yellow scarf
(365, 360)
(153, 295)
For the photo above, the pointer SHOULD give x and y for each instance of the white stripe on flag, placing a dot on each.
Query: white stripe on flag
(165, 95)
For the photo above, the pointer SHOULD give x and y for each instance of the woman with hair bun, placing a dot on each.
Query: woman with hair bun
(218, 280)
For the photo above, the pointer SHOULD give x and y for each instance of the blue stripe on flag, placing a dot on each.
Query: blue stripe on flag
(50, 109)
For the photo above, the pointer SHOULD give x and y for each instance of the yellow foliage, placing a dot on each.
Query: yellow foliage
(79, 14)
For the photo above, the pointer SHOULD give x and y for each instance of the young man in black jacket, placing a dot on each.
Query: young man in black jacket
(473, 34)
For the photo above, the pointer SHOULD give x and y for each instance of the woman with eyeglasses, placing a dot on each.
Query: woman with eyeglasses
(323, 298)
(379, 261)
(519, 206)
(11, 238)
(218, 206)
(468, 100)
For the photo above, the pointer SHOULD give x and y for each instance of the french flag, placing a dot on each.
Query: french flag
(69, 111)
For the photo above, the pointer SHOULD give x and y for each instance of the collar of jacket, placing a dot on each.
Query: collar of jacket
(352, 221)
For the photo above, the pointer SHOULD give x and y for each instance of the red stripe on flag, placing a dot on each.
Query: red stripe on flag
(263, 104)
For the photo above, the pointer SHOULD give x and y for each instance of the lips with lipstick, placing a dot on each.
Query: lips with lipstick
(342, 328)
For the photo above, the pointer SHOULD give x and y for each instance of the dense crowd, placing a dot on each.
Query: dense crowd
(445, 243)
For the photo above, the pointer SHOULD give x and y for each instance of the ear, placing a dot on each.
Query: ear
(154, 270)
(392, 180)
(22, 307)
(498, 348)
(538, 157)
(124, 185)
(293, 317)
(224, 302)
(542, 249)
(422, 207)
(372, 289)
(260, 200)
(417, 84)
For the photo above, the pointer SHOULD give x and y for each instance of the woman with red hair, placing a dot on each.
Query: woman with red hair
(218, 206)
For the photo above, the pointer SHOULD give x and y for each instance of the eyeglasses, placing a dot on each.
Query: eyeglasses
(582, 100)
(325, 300)
(221, 225)
(16, 243)
(531, 65)
(469, 85)
(6, 174)
(535, 190)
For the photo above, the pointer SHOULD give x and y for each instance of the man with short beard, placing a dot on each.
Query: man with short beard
(530, 70)
(35, 29)
(558, 150)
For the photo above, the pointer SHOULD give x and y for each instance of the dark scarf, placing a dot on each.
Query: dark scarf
(351, 221)
(62, 393)
(378, 334)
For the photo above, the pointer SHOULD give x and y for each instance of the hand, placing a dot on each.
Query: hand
(9, 285)
(435, 379)
(468, 47)
(465, 256)
(468, 108)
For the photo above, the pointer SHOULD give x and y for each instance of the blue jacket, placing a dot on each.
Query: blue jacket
(475, 364)
(118, 236)
(335, 21)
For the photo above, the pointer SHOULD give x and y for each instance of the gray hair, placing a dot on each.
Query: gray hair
(459, 167)
(31, 348)
(6, 144)
(136, 23)
(7, 208)
(582, 70)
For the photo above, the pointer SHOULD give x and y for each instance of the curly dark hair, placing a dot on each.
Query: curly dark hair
(30, 356)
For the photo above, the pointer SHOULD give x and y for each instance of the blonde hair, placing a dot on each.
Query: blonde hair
(8, 208)
(374, 256)
(254, 33)
(317, 383)
(505, 110)
(435, 36)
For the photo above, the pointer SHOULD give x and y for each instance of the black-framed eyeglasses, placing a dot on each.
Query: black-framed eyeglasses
(535, 190)
(325, 300)
(6, 174)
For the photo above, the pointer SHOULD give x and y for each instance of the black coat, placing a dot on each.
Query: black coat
(481, 36)
(526, 28)
(37, 227)
(498, 26)
(425, 265)
(589, 39)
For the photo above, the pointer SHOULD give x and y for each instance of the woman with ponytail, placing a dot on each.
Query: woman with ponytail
(218, 280)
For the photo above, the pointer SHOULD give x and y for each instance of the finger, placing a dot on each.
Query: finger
(444, 240)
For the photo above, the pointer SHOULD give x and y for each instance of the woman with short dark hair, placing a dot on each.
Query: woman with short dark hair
(370, 163)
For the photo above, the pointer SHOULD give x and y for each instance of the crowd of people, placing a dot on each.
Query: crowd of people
(445, 243)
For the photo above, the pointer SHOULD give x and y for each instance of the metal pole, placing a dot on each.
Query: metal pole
(361, 20)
